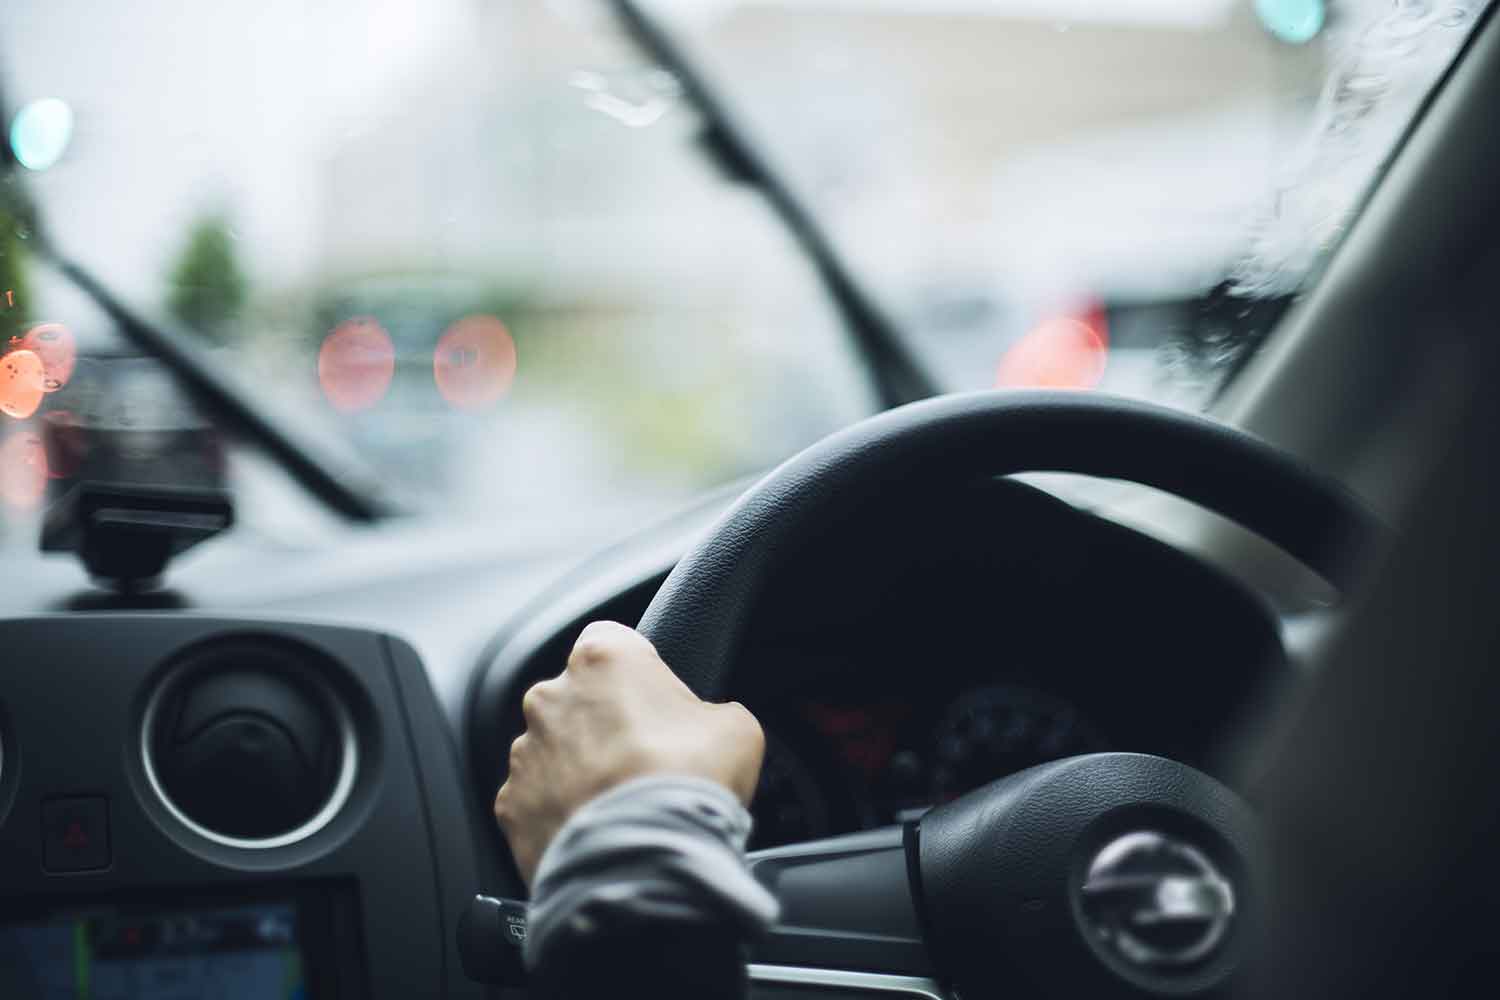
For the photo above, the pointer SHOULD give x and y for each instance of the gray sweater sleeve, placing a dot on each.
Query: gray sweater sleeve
(655, 859)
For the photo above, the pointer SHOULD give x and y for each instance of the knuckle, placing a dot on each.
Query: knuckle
(518, 749)
(589, 651)
(533, 703)
(602, 641)
(748, 726)
(604, 627)
(502, 804)
(632, 636)
(744, 718)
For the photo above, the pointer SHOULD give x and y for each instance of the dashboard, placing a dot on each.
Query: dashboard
(990, 630)
(201, 806)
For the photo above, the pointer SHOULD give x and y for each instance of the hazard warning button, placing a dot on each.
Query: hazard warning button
(75, 834)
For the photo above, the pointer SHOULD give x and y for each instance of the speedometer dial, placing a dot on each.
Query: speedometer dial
(996, 730)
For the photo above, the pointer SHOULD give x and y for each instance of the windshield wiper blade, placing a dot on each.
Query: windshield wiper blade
(350, 491)
(899, 375)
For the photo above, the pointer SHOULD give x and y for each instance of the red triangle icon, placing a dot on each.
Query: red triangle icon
(75, 837)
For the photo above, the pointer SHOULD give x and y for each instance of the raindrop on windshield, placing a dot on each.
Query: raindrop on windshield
(1370, 91)
(1365, 86)
(634, 98)
(1413, 9)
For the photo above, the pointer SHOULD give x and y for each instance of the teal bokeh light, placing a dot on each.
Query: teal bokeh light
(39, 133)
(1293, 21)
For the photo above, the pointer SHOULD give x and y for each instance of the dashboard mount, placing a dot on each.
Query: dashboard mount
(126, 535)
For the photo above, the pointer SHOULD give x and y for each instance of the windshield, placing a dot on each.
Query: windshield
(481, 245)
(478, 242)
(1123, 194)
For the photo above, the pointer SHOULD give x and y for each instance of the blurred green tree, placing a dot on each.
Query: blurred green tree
(208, 286)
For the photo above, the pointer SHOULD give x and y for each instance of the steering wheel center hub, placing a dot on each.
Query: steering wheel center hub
(1157, 900)
(1099, 872)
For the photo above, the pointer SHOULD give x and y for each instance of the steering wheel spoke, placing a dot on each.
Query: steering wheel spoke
(845, 901)
(849, 923)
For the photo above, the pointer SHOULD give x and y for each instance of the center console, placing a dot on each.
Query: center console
(193, 806)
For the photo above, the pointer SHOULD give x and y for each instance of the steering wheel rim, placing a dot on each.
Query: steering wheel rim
(699, 613)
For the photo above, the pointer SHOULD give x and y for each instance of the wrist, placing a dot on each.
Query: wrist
(648, 840)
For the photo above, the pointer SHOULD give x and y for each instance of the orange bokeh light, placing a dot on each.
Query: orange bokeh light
(1063, 352)
(22, 383)
(474, 362)
(54, 344)
(356, 364)
(23, 470)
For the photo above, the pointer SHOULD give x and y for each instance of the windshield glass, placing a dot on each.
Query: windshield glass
(1115, 193)
(482, 247)
(480, 242)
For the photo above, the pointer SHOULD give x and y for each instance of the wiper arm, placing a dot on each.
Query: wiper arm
(899, 376)
(350, 492)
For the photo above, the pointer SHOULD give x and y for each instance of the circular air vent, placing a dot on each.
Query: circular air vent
(245, 743)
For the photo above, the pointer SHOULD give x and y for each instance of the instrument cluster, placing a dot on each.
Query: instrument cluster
(833, 766)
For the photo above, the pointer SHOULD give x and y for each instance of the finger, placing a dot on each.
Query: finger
(745, 722)
(746, 732)
(602, 642)
(502, 805)
(605, 627)
(606, 642)
(518, 750)
(537, 702)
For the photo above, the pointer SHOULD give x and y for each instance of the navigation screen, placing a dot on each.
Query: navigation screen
(247, 952)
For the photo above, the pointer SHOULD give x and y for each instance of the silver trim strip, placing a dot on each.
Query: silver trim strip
(343, 786)
(867, 982)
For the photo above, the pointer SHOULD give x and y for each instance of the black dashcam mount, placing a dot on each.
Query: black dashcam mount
(126, 535)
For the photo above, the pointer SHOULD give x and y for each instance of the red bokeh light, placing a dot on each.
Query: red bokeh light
(356, 364)
(23, 470)
(474, 362)
(22, 377)
(53, 343)
(1063, 352)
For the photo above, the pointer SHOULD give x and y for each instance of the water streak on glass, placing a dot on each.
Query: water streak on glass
(635, 98)
(1384, 56)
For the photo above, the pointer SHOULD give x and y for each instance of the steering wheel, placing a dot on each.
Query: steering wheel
(1108, 873)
